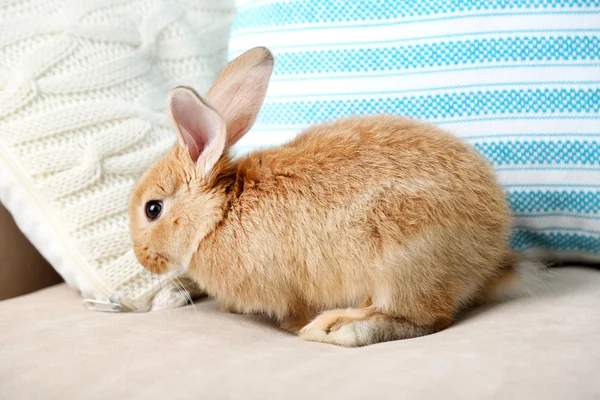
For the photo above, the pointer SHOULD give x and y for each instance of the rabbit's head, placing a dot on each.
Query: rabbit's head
(182, 197)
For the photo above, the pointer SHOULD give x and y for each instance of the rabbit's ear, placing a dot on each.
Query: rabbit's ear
(199, 127)
(240, 89)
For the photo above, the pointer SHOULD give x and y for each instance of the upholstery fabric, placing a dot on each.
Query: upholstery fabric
(543, 348)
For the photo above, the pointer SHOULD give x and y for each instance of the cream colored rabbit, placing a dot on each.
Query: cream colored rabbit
(359, 231)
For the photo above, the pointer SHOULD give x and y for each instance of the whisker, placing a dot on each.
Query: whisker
(177, 287)
(159, 286)
(187, 293)
(181, 287)
(160, 281)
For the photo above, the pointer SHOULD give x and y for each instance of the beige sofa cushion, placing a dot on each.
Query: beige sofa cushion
(22, 268)
(542, 348)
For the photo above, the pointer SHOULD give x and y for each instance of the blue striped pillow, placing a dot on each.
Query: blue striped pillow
(518, 79)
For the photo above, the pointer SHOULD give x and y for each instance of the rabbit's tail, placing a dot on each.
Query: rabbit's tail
(520, 277)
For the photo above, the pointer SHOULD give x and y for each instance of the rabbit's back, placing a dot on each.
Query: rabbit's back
(352, 162)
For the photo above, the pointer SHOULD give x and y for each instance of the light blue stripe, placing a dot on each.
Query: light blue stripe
(298, 127)
(547, 201)
(536, 84)
(554, 168)
(322, 12)
(535, 152)
(439, 54)
(439, 106)
(524, 238)
(558, 229)
(546, 215)
(301, 126)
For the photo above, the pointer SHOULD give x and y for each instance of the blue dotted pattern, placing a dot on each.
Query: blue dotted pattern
(535, 152)
(522, 240)
(555, 201)
(321, 12)
(437, 106)
(470, 52)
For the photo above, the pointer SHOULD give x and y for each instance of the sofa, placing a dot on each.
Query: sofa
(518, 80)
(52, 347)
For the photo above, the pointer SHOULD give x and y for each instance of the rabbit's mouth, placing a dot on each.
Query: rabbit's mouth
(152, 261)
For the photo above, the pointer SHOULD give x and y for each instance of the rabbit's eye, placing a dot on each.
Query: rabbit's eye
(153, 209)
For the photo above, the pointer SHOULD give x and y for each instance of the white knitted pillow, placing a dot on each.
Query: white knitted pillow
(82, 89)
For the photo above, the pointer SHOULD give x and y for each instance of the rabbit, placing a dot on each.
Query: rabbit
(359, 231)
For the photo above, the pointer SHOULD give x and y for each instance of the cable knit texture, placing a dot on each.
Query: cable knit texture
(82, 114)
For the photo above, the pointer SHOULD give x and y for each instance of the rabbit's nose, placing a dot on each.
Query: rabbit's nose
(155, 262)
